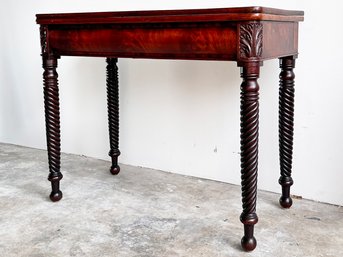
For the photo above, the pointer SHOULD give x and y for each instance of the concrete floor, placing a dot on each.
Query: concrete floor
(144, 212)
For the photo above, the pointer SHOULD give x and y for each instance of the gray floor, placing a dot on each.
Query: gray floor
(144, 212)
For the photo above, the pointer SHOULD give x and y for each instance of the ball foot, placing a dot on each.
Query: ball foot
(115, 170)
(56, 196)
(248, 244)
(285, 202)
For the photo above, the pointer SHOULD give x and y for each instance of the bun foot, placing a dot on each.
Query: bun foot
(56, 196)
(285, 202)
(248, 244)
(115, 170)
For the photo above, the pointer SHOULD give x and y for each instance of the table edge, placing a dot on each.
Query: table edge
(183, 15)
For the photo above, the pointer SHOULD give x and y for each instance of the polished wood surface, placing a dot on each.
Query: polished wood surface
(246, 35)
(193, 15)
(286, 124)
(52, 121)
(209, 34)
(112, 82)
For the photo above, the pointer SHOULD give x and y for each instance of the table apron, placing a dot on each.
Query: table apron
(209, 42)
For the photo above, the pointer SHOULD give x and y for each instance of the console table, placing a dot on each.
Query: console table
(247, 35)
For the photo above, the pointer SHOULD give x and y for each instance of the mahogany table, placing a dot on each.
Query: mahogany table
(247, 35)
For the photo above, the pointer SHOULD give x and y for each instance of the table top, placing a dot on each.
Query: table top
(255, 13)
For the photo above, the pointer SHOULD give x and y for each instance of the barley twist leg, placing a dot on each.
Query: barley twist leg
(52, 120)
(286, 123)
(113, 112)
(249, 151)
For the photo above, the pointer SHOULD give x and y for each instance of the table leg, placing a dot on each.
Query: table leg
(52, 120)
(286, 123)
(113, 112)
(249, 150)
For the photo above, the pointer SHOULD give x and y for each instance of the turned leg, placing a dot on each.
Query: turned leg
(52, 120)
(249, 150)
(286, 122)
(113, 112)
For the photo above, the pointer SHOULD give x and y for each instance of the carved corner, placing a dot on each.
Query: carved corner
(250, 41)
(43, 39)
(46, 50)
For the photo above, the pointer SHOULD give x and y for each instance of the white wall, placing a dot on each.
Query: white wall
(181, 116)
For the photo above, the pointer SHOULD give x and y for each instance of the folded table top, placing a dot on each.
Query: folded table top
(192, 15)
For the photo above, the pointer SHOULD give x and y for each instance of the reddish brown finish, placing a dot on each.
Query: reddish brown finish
(279, 39)
(180, 42)
(208, 34)
(286, 124)
(247, 35)
(198, 15)
(52, 120)
(249, 150)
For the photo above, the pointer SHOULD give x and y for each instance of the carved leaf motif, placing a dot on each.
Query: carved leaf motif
(43, 38)
(258, 40)
(250, 40)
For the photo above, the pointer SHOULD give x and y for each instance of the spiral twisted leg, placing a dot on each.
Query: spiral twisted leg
(113, 112)
(286, 122)
(52, 120)
(249, 150)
